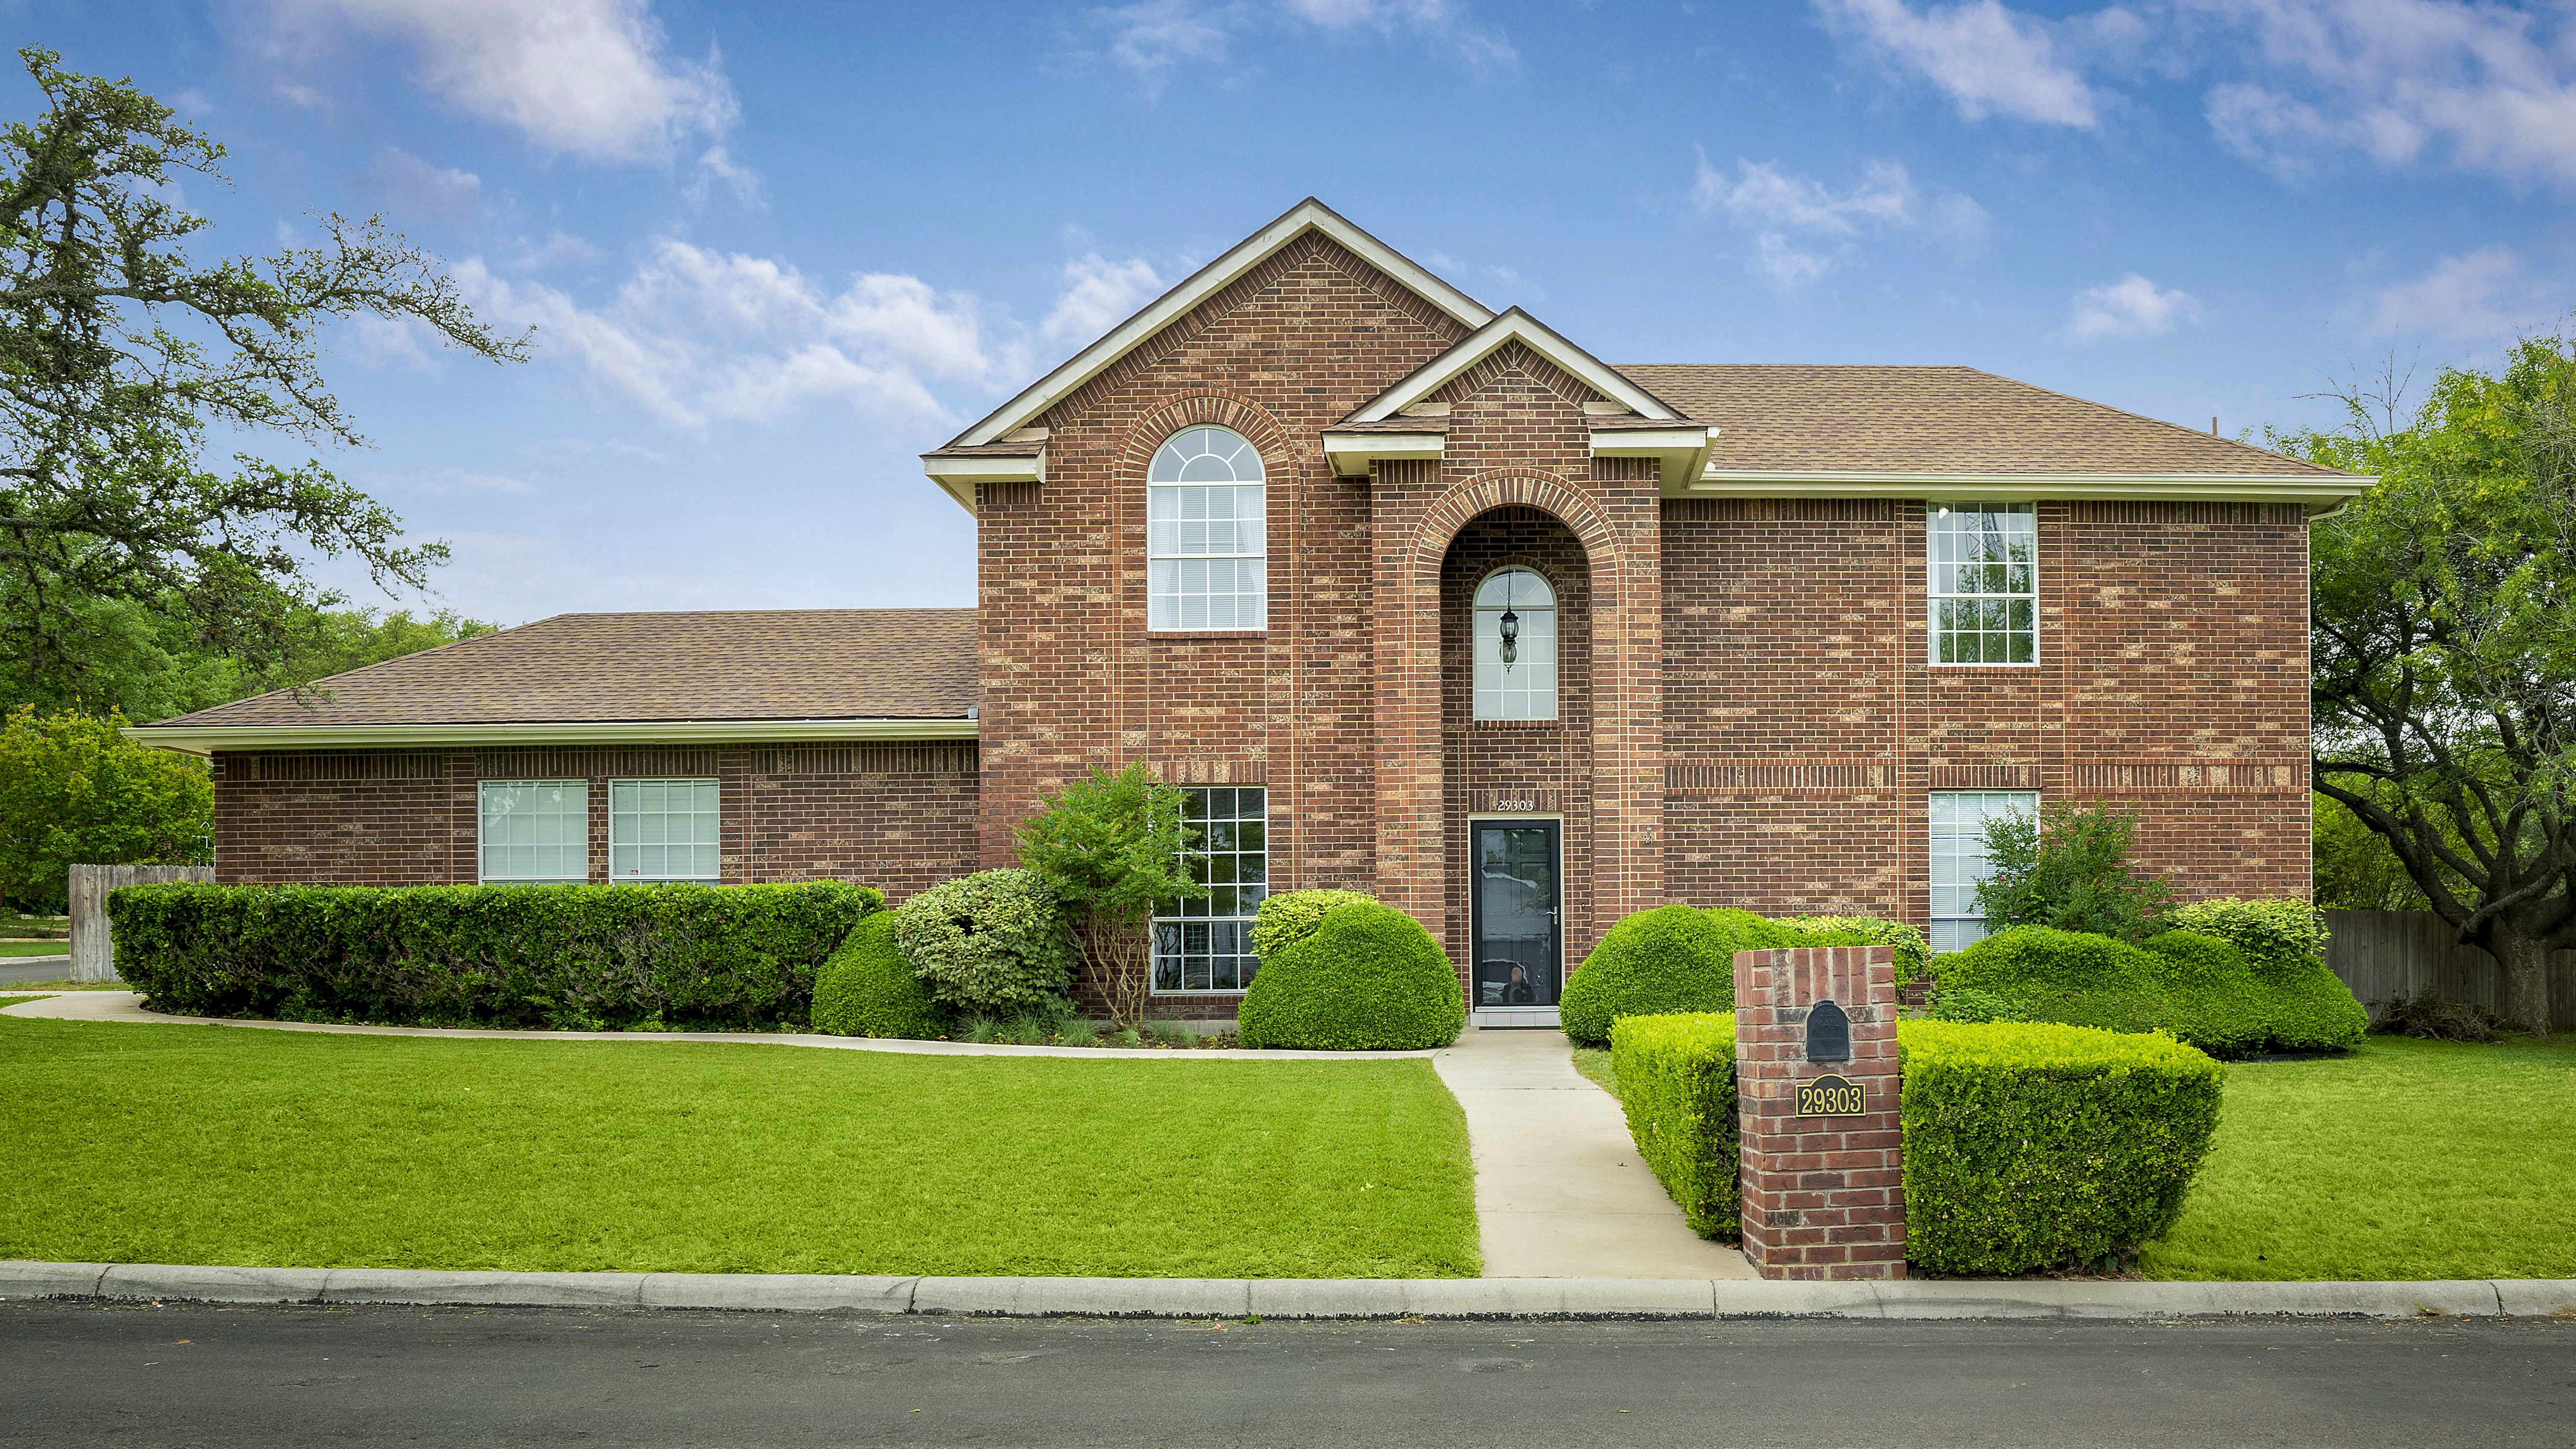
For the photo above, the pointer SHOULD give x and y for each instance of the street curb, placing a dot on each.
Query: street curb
(1293, 1298)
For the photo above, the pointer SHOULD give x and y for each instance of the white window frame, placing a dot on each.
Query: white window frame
(1181, 549)
(1935, 515)
(714, 845)
(1478, 616)
(484, 845)
(1175, 918)
(1959, 843)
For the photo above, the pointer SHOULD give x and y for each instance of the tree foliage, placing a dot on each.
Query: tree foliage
(2068, 868)
(2444, 650)
(149, 667)
(1112, 847)
(73, 791)
(122, 361)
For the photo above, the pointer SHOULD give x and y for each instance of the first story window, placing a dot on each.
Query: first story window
(1206, 944)
(1959, 862)
(1984, 565)
(663, 830)
(534, 831)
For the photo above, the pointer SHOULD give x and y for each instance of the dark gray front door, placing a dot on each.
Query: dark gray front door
(1519, 916)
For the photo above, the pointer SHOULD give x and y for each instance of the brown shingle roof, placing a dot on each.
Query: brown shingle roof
(1799, 418)
(774, 664)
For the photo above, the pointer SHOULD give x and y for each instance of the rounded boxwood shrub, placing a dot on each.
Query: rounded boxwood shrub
(1367, 978)
(1658, 962)
(2200, 988)
(2065, 976)
(866, 988)
(994, 942)
(2305, 1006)
(1292, 916)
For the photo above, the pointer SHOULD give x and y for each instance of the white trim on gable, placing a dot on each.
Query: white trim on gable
(1305, 216)
(1516, 326)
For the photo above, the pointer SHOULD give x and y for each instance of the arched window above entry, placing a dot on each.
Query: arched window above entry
(1515, 646)
(1206, 547)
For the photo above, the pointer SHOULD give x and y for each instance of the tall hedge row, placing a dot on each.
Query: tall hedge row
(2027, 1145)
(569, 957)
(2204, 989)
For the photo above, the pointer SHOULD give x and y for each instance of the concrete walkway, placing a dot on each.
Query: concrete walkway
(1560, 1190)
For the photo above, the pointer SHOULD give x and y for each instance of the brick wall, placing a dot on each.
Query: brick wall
(895, 816)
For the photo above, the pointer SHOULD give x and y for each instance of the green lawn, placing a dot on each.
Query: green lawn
(35, 948)
(2406, 1159)
(169, 1144)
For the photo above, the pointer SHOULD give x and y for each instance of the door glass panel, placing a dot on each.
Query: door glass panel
(1517, 915)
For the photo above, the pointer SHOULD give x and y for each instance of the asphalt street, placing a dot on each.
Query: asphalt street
(189, 1375)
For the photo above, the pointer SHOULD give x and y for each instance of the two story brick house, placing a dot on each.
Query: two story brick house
(1418, 598)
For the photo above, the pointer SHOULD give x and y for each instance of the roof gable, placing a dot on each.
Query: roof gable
(1306, 216)
(1516, 326)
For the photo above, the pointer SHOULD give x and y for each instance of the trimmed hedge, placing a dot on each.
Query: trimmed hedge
(1367, 978)
(1673, 958)
(2027, 1145)
(1292, 916)
(2202, 989)
(575, 957)
(866, 988)
(1676, 1079)
(2032, 1145)
(994, 942)
(1913, 953)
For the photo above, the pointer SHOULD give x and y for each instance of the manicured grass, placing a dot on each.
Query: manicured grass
(1594, 1063)
(35, 948)
(2406, 1159)
(174, 1144)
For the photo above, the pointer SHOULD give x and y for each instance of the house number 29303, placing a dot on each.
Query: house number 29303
(1516, 804)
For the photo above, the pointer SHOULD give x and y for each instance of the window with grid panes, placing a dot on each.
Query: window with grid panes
(1206, 945)
(663, 830)
(1959, 862)
(1984, 582)
(534, 830)
(1515, 646)
(1207, 564)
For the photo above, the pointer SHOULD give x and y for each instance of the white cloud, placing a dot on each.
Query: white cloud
(589, 78)
(415, 189)
(2479, 296)
(1098, 294)
(2479, 86)
(1989, 59)
(1152, 39)
(563, 246)
(718, 165)
(2130, 307)
(1772, 205)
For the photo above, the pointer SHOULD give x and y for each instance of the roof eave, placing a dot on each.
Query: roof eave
(2317, 494)
(210, 739)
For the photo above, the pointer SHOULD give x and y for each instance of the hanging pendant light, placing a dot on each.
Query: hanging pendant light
(1511, 635)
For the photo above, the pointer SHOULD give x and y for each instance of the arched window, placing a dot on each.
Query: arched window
(1515, 629)
(1207, 560)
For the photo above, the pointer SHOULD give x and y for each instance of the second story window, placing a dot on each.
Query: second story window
(1985, 582)
(1515, 639)
(1207, 558)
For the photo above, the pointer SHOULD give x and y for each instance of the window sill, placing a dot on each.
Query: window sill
(2025, 664)
(1516, 724)
(1206, 633)
(1209, 995)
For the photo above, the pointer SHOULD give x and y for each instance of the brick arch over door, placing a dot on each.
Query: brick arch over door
(1616, 516)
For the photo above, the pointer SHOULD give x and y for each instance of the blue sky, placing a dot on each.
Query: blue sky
(775, 251)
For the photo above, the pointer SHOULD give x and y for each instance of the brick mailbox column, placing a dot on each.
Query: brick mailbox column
(1824, 1192)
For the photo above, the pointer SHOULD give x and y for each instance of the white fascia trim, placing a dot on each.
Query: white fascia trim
(1684, 451)
(1513, 326)
(207, 739)
(1351, 453)
(960, 475)
(1305, 216)
(2302, 488)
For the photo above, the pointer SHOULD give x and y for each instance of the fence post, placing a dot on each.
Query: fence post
(93, 946)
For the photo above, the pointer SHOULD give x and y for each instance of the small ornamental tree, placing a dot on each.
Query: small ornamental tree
(1112, 847)
(2068, 869)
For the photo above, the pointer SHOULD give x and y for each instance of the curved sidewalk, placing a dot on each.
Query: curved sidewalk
(127, 1006)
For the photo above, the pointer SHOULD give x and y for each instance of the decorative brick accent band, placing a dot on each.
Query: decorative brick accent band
(1824, 1195)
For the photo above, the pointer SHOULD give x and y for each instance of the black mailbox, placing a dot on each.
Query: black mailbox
(1828, 1033)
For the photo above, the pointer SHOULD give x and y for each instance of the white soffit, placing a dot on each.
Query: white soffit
(1305, 216)
(1351, 453)
(1515, 326)
(960, 475)
(2317, 494)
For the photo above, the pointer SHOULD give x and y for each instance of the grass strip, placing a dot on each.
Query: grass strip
(2404, 1160)
(229, 1146)
(35, 948)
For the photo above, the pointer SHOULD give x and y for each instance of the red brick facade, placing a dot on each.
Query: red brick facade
(1747, 714)
(1824, 1196)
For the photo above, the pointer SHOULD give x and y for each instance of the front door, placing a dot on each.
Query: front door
(1518, 909)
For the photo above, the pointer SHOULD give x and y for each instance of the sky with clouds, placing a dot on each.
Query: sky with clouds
(773, 251)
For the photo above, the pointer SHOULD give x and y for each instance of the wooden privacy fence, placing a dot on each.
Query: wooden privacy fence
(93, 951)
(2384, 954)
